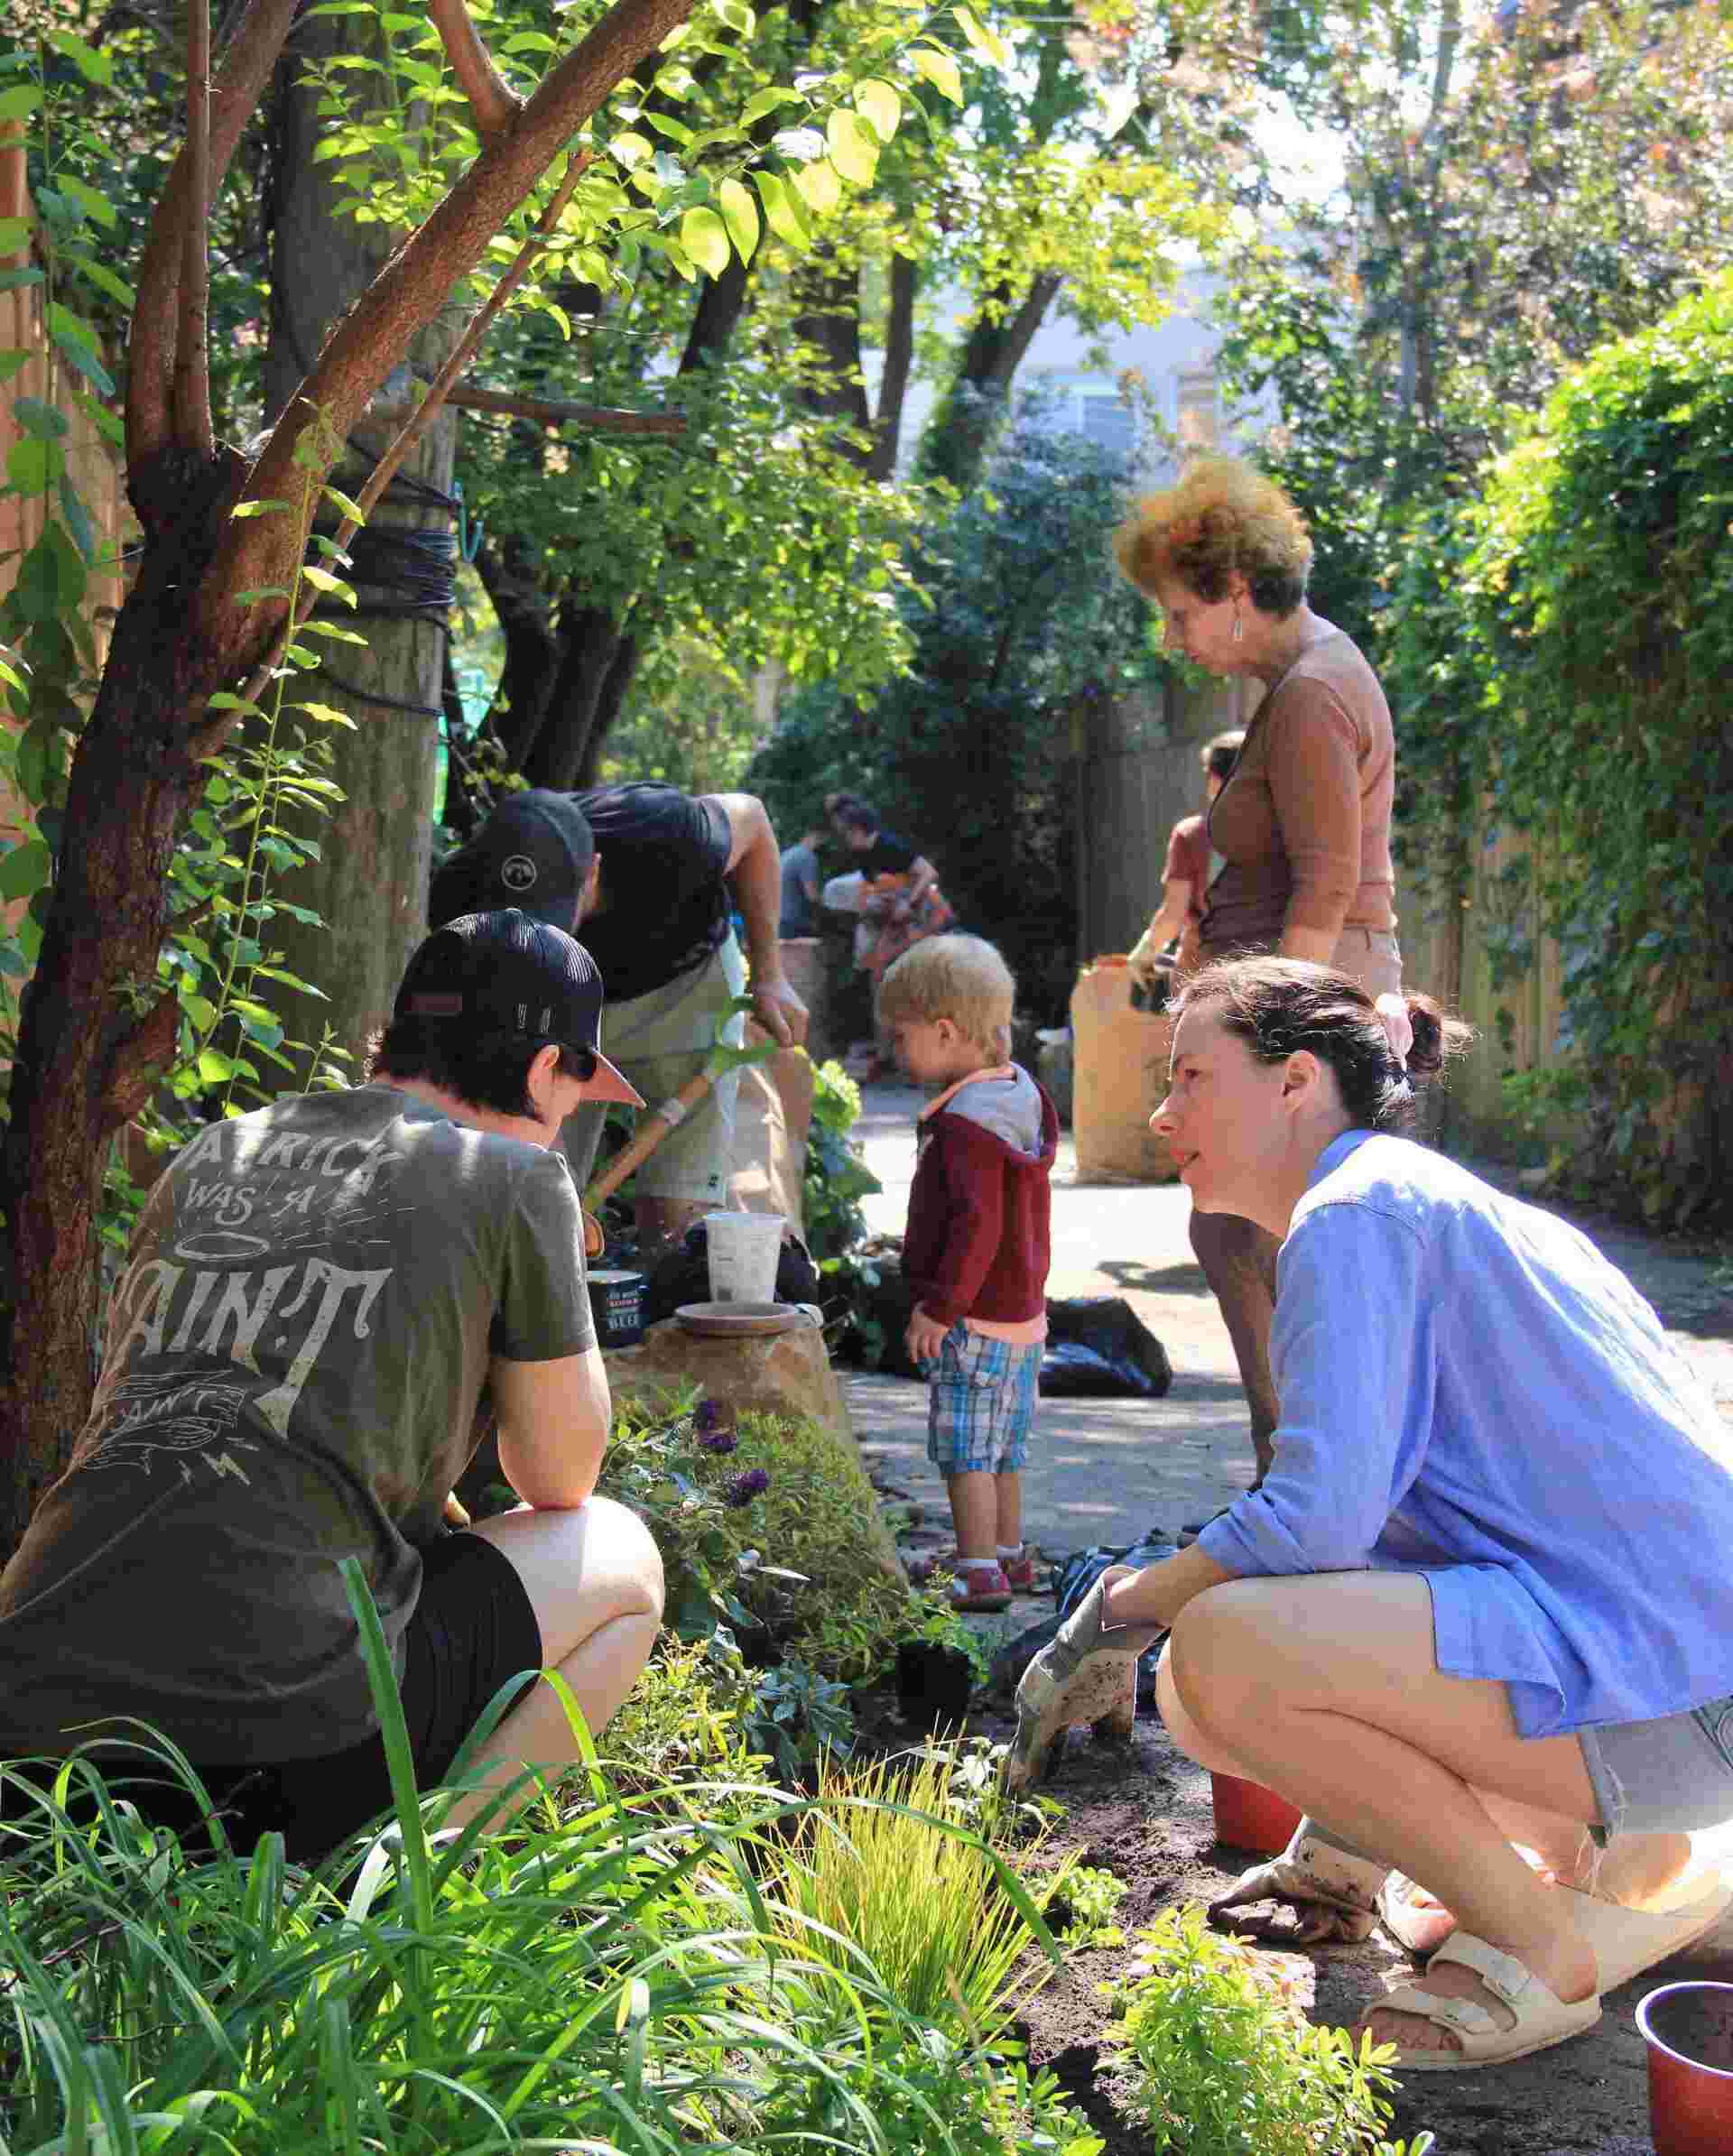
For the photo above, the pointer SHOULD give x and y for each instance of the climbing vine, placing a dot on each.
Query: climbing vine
(1578, 683)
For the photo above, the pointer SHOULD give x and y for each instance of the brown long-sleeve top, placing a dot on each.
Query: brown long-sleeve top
(1304, 824)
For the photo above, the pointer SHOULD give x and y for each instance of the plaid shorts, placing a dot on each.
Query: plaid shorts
(980, 1403)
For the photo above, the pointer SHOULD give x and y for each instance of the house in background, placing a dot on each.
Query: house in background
(1150, 393)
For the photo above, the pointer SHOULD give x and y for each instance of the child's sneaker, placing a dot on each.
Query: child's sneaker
(1021, 1571)
(981, 1586)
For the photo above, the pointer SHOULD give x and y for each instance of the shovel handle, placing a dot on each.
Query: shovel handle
(651, 1132)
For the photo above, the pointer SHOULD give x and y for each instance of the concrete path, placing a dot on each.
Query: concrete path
(1108, 1470)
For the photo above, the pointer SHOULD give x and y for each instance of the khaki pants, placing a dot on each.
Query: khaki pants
(1239, 1257)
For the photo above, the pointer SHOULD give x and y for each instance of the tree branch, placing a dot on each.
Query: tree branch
(376, 333)
(247, 60)
(547, 411)
(193, 423)
(493, 105)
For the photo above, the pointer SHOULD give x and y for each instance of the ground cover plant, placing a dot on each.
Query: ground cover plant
(608, 1975)
(1224, 2064)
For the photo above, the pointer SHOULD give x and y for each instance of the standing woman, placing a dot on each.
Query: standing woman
(1185, 876)
(1303, 826)
(901, 902)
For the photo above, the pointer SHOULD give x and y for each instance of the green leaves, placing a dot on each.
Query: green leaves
(937, 67)
(782, 213)
(740, 213)
(705, 238)
(879, 105)
(854, 147)
(24, 870)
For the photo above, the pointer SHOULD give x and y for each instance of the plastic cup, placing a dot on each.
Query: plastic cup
(744, 1249)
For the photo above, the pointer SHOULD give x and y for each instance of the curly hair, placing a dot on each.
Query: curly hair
(1221, 518)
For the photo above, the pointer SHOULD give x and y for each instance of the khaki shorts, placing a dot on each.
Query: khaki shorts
(659, 1041)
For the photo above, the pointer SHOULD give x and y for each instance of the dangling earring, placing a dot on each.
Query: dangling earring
(1239, 627)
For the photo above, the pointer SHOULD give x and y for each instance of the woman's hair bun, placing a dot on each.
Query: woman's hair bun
(1437, 1037)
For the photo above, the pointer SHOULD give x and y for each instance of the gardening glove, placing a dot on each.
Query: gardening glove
(1332, 1891)
(1141, 962)
(1087, 1674)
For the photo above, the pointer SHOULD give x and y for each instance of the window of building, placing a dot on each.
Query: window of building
(1198, 416)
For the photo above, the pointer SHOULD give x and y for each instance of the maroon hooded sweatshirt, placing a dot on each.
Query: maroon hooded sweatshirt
(979, 1235)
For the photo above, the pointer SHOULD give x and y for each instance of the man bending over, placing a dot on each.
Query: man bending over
(317, 1293)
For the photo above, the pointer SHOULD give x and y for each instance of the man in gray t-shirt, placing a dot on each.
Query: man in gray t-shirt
(317, 1294)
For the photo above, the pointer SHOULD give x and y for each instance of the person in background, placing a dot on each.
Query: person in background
(1302, 823)
(317, 1294)
(1185, 878)
(800, 868)
(1481, 1605)
(901, 901)
(653, 874)
(976, 1254)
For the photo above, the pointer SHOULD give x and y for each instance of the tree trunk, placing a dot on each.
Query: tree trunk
(899, 365)
(957, 444)
(831, 320)
(94, 1032)
(370, 885)
(84, 1060)
(524, 606)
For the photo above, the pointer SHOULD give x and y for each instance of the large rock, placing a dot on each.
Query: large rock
(786, 1374)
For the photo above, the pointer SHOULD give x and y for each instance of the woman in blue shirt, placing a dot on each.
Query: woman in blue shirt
(1481, 1599)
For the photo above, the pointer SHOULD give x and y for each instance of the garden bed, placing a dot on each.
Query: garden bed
(1145, 1815)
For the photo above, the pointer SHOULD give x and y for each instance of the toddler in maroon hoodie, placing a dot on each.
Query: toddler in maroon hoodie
(977, 1251)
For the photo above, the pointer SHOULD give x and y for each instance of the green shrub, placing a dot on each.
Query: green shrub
(1224, 2064)
(1602, 567)
(598, 1976)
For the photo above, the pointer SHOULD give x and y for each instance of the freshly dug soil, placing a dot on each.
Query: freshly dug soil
(1143, 1814)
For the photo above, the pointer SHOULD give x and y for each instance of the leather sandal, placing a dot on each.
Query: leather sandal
(1626, 1941)
(1528, 2017)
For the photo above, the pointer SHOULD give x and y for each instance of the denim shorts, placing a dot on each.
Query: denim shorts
(981, 1402)
(1669, 1776)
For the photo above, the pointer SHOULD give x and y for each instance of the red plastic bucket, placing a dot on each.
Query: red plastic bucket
(1250, 1817)
(1688, 2029)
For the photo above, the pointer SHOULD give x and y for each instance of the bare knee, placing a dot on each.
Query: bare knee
(581, 1568)
(1183, 1726)
(1217, 1663)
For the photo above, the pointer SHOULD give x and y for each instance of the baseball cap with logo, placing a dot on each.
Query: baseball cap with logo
(508, 972)
(533, 852)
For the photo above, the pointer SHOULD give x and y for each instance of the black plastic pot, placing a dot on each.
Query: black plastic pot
(934, 1683)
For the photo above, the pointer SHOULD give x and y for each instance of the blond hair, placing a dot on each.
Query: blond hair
(1222, 518)
(960, 977)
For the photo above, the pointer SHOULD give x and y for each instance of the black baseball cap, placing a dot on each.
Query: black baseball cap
(512, 973)
(533, 852)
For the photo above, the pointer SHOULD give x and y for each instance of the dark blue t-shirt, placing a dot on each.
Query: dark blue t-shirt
(665, 856)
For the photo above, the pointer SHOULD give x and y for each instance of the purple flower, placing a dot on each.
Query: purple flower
(745, 1487)
(710, 1418)
(720, 1440)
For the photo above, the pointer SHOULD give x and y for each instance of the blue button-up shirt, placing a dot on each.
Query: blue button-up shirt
(1469, 1391)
